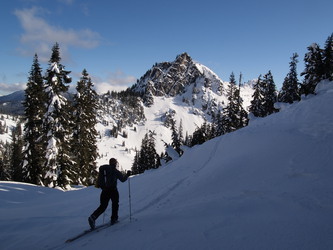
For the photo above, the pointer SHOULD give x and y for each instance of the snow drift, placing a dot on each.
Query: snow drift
(266, 186)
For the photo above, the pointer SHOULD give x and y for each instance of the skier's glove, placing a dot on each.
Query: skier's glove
(129, 173)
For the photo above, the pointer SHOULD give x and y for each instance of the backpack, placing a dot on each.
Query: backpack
(106, 177)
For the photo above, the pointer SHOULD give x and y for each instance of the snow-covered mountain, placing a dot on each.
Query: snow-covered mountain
(188, 90)
(172, 78)
(266, 186)
(195, 83)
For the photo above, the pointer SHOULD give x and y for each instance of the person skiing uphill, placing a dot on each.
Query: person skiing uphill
(107, 181)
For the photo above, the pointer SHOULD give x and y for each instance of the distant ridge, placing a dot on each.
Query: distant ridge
(12, 103)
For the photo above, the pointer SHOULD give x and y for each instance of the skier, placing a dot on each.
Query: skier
(107, 181)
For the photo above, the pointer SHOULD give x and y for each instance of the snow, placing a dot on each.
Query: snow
(266, 186)
(112, 147)
(55, 68)
(9, 122)
(205, 70)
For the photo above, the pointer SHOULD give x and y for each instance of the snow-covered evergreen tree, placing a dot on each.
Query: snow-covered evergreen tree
(34, 146)
(56, 123)
(290, 90)
(84, 132)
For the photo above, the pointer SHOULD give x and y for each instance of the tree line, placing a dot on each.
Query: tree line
(57, 147)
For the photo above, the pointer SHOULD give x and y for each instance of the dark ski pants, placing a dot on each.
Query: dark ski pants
(106, 195)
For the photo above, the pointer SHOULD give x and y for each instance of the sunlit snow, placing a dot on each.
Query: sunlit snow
(266, 186)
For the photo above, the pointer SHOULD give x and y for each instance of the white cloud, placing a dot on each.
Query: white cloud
(40, 36)
(115, 81)
(6, 88)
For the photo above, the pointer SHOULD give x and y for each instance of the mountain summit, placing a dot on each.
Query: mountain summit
(172, 78)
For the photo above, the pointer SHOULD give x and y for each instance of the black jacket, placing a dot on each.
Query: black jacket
(108, 176)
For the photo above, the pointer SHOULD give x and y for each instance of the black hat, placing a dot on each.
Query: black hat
(113, 161)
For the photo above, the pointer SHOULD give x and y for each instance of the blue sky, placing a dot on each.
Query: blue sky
(117, 41)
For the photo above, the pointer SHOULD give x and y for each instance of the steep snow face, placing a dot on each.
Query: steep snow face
(266, 186)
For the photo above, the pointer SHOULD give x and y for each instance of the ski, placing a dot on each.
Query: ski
(85, 232)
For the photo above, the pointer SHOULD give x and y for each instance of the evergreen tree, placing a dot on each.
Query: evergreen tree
(17, 155)
(135, 166)
(290, 91)
(234, 115)
(202, 134)
(270, 94)
(257, 108)
(147, 158)
(180, 132)
(228, 113)
(3, 171)
(153, 157)
(218, 122)
(175, 137)
(264, 96)
(56, 123)
(5, 161)
(34, 147)
(84, 132)
(188, 140)
(198, 136)
(243, 119)
(328, 59)
(314, 69)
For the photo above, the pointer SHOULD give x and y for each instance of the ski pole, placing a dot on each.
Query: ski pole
(129, 198)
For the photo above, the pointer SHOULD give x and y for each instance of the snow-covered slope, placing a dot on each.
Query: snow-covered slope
(266, 186)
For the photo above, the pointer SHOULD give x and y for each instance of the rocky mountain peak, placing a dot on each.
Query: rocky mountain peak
(183, 58)
(168, 78)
